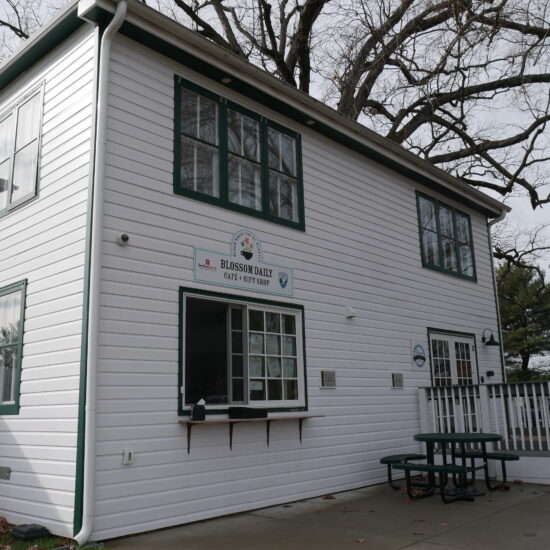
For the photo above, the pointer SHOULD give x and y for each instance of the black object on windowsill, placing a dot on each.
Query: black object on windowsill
(198, 413)
(247, 412)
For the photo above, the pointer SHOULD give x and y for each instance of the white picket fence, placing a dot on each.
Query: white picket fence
(519, 412)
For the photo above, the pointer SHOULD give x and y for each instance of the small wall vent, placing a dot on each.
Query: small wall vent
(397, 380)
(328, 379)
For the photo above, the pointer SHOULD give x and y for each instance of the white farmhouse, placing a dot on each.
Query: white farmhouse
(177, 225)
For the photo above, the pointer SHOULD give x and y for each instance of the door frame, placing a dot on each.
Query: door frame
(432, 331)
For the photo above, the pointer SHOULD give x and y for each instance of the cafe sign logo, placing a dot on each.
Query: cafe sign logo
(419, 356)
(244, 267)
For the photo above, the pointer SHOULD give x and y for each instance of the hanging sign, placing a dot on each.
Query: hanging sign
(243, 267)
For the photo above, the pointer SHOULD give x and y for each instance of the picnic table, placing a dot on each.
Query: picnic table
(453, 445)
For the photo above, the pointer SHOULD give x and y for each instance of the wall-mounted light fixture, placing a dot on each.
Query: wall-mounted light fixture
(491, 340)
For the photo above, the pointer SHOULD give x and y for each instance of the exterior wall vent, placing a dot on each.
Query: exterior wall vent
(328, 379)
(397, 380)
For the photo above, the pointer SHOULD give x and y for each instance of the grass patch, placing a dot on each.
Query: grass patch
(7, 542)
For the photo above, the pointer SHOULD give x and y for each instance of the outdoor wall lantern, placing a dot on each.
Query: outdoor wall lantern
(489, 341)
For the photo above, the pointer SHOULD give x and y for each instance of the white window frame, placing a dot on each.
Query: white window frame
(13, 110)
(246, 304)
(453, 338)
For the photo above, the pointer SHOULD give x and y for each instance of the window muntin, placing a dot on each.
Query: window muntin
(19, 152)
(242, 353)
(12, 300)
(446, 238)
(235, 158)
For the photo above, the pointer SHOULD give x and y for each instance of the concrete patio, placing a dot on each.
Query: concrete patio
(373, 517)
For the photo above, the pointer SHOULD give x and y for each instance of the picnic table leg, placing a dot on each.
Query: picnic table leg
(430, 460)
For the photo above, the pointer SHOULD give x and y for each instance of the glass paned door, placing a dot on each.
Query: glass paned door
(453, 360)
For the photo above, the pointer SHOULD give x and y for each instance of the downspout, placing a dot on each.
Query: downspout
(95, 274)
(499, 325)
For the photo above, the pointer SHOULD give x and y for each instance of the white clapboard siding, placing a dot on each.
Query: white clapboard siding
(360, 248)
(44, 242)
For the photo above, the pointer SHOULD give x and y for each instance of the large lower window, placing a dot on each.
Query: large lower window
(453, 359)
(12, 306)
(237, 352)
(19, 150)
(230, 156)
(446, 238)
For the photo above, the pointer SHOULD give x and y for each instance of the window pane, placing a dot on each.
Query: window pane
(237, 342)
(288, 154)
(199, 117)
(7, 374)
(289, 345)
(206, 170)
(256, 366)
(257, 390)
(273, 344)
(289, 324)
(238, 389)
(28, 122)
(189, 113)
(234, 132)
(208, 121)
(431, 247)
(236, 319)
(467, 260)
(275, 389)
(289, 368)
(446, 222)
(449, 255)
(206, 351)
(462, 228)
(288, 197)
(274, 367)
(4, 180)
(256, 320)
(427, 214)
(256, 343)
(283, 201)
(24, 172)
(10, 314)
(237, 366)
(291, 389)
(274, 148)
(199, 167)
(243, 135)
(273, 321)
(6, 138)
(244, 183)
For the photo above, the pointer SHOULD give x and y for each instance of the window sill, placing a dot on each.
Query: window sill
(231, 421)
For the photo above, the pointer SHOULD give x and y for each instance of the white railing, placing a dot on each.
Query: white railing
(519, 412)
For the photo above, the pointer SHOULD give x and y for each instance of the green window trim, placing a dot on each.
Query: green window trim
(9, 167)
(187, 292)
(12, 408)
(455, 213)
(223, 167)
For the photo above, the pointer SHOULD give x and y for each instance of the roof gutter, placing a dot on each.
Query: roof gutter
(95, 275)
(168, 34)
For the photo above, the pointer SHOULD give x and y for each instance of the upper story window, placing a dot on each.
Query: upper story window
(12, 308)
(230, 156)
(19, 152)
(446, 238)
